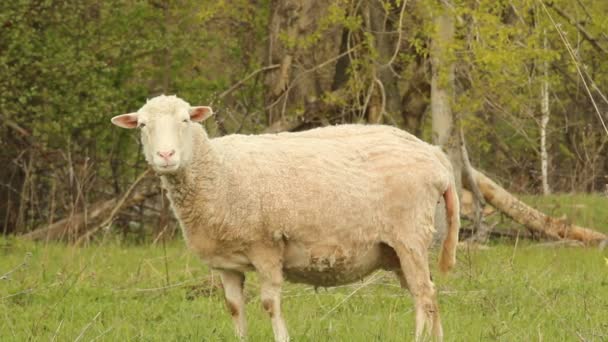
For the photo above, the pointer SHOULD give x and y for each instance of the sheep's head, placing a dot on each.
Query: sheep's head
(167, 125)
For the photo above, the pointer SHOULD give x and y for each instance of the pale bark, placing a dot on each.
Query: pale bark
(533, 219)
(481, 231)
(445, 124)
(544, 121)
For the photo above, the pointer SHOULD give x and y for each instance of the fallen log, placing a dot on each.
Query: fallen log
(75, 225)
(533, 219)
(498, 233)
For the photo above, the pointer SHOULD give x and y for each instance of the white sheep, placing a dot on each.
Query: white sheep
(324, 207)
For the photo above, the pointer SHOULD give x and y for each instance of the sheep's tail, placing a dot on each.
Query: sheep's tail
(447, 258)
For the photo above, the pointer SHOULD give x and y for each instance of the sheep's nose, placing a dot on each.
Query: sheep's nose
(166, 154)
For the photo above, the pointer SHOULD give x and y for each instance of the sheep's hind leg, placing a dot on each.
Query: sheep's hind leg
(235, 300)
(416, 274)
(401, 278)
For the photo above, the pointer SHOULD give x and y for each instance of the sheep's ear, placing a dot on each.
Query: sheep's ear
(200, 113)
(125, 120)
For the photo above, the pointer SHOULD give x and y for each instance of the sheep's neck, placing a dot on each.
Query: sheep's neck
(194, 184)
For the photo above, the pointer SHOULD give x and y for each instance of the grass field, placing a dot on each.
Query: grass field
(114, 291)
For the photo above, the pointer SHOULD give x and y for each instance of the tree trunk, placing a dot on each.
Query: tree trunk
(445, 124)
(544, 158)
(297, 80)
(531, 218)
(385, 78)
(416, 97)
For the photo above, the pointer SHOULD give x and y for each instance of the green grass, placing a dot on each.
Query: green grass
(116, 292)
(120, 292)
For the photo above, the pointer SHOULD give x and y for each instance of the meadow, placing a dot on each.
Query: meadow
(119, 291)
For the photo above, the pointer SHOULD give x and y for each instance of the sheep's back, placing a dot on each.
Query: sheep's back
(346, 179)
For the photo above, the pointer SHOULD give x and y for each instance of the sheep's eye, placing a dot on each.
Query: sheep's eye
(185, 120)
(141, 125)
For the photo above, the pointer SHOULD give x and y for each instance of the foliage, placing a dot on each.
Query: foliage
(67, 67)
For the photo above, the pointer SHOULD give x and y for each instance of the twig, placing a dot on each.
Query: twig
(368, 97)
(239, 83)
(383, 96)
(576, 64)
(318, 66)
(481, 234)
(400, 30)
(578, 26)
(584, 9)
(117, 207)
(15, 126)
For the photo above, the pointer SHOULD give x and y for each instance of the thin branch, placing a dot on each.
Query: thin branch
(481, 232)
(576, 64)
(15, 126)
(383, 96)
(239, 83)
(105, 224)
(400, 30)
(578, 26)
(316, 67)
(368, 97)
(584, 9)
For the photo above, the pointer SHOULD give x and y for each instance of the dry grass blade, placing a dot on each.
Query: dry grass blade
(57, 331)
(86, 327)
(367, 282)
(6, 276)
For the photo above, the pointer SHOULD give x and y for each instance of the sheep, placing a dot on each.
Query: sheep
(324, 207)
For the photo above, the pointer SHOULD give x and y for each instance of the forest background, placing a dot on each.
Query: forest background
(526, 89)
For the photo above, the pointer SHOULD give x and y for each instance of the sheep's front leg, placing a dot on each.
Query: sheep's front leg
(268, 264)
(271, 302)
(235, 300)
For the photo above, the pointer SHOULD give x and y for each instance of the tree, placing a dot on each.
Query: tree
(465, 71)
(364, 83)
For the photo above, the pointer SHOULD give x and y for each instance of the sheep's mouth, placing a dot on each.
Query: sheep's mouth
(166, 168)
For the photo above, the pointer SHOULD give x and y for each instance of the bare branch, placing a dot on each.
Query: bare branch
(108, 221)
(592, 40)
(400, 30)
(316, 67)
(239, 83)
